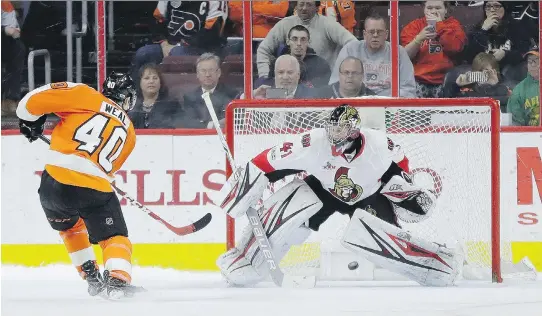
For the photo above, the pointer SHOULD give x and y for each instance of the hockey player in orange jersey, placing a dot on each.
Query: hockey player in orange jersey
(90, 143)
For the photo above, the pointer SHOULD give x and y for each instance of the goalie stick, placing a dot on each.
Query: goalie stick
(180, 231)
(278, 277)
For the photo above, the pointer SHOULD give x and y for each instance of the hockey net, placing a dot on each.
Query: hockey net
(452, 146)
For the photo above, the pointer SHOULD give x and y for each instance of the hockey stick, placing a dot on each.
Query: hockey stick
(278, 277)
(180, 231)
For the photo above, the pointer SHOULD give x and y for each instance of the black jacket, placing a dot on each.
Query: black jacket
(499, 91)
(314, 69)
(196, 111)
(510, 36)
(161, 115)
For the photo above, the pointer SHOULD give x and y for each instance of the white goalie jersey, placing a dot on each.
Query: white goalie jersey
(350, 179)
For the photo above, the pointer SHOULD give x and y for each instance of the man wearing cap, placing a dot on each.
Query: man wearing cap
(524, 104)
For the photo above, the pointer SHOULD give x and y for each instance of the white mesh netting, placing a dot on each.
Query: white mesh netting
(449, 149)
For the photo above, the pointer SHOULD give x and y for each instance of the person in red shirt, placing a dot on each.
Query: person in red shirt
(431, 43)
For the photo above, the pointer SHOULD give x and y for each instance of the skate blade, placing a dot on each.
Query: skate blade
(124, 293)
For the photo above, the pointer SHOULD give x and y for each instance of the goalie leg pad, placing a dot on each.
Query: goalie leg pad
(283, 216)
(398, 251)
(243, 190)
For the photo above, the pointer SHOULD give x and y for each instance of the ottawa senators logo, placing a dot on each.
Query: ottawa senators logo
(345, 189)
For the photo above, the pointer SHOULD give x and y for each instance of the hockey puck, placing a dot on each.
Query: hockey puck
(353, 265)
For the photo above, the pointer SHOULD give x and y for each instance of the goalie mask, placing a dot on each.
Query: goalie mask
(120, 88)
(342, 124)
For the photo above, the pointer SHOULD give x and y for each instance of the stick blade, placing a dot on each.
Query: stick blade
(202, 222)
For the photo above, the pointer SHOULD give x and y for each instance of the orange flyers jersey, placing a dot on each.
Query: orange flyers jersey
(93, 138)
(343, 11)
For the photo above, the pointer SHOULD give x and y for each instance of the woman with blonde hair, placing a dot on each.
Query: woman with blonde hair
(483, 80)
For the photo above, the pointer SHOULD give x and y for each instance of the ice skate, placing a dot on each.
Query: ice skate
(117, 289)
(93, 277)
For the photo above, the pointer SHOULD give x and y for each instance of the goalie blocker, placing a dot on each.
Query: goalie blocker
(362, 171)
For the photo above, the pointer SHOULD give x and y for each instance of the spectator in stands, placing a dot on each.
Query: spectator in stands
(483, 81)
(152, 109)
(208, 73)
(524, 103)
(265, 14)
(13, 56)
(432, 42)
(343, 11)
(499, 34)
(287, 74)
(350, 84)
(314, 69)
(192, 28)
(375, 53)
(327, 36)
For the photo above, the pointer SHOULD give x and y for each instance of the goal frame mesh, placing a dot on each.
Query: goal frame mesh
(390, 103)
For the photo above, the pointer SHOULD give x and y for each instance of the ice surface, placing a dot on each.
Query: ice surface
(57, 290)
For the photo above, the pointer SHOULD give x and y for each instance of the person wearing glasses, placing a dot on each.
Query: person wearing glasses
(315, 70)
(327, 36)
(524, 103)
(350, 84)
(208, 74)
(498, 34)
(375, 53)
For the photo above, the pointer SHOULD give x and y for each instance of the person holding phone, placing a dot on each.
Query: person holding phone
(483, 80)
(431, 43)
(286, 83)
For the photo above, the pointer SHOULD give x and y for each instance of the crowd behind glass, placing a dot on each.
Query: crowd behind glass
(319, 49)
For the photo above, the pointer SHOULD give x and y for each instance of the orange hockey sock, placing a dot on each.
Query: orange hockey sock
(78, 246)
(117, 253)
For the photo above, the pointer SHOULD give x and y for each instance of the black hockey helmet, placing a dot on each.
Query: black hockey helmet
(343, 123)
(118, 87)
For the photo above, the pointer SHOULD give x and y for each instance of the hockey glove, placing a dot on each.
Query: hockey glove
(32, 130)
(413, 203)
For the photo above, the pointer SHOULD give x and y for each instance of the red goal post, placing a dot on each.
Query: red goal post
(402, 116)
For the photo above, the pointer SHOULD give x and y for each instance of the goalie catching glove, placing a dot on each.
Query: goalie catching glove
(412, 204)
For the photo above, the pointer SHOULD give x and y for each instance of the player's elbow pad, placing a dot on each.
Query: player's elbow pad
(243, 189)
(412, 203)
